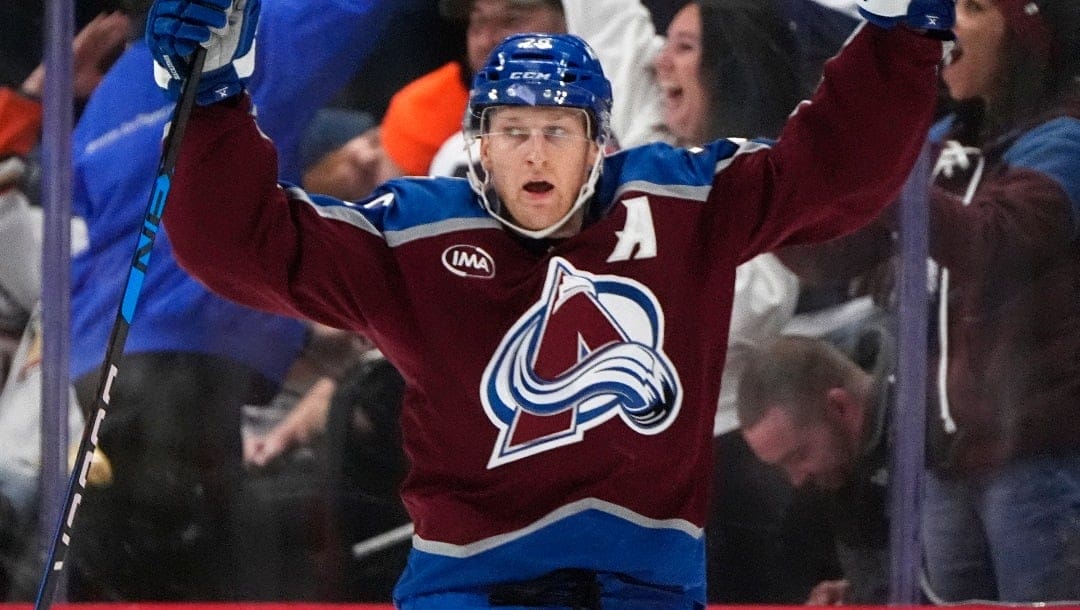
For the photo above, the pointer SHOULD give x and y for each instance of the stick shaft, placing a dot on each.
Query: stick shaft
(54, 562)
(385, 540)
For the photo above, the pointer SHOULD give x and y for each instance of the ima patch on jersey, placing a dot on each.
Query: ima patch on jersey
(588, 351)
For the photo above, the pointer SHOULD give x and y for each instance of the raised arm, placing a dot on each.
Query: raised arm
(844, 155)
(231, 224)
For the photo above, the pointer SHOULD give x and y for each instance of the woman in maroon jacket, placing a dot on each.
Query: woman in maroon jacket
(1001, 516)
(1002, 512)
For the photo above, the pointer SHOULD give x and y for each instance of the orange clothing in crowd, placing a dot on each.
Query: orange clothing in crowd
(422, 115)
(20, 123)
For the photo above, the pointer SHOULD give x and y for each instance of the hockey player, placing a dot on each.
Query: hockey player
(560, 317)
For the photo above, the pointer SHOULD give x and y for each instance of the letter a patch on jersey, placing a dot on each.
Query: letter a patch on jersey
(638, 237)
(590, 350)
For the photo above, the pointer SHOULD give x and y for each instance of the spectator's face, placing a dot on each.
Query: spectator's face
(490, 21)
(818, 453)
(976, 60)
(678, 70)
(538, 159)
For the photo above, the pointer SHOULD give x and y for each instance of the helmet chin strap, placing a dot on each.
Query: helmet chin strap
(482, 187)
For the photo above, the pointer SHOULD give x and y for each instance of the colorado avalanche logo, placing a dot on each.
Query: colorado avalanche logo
(588, 351)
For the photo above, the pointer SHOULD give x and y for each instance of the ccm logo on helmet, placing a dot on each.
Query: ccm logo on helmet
(469, 261)
(529, 76)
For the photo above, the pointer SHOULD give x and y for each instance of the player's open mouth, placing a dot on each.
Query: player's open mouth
(538, 187)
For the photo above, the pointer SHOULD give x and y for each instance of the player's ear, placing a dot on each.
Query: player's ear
(484, 152)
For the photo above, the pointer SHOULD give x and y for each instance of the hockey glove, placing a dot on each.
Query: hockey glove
(225, 27)
(931, 15)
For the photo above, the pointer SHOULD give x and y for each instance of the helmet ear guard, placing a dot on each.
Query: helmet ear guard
(540, 70)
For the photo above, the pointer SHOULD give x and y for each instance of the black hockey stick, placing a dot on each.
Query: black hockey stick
(54, 563)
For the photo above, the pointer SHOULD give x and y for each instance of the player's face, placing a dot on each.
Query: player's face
(538, 159)
(816, 454)
(490, 21)
(678, 70)
(975, 62)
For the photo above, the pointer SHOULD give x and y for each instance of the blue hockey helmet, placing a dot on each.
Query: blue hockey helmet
(542, 70)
